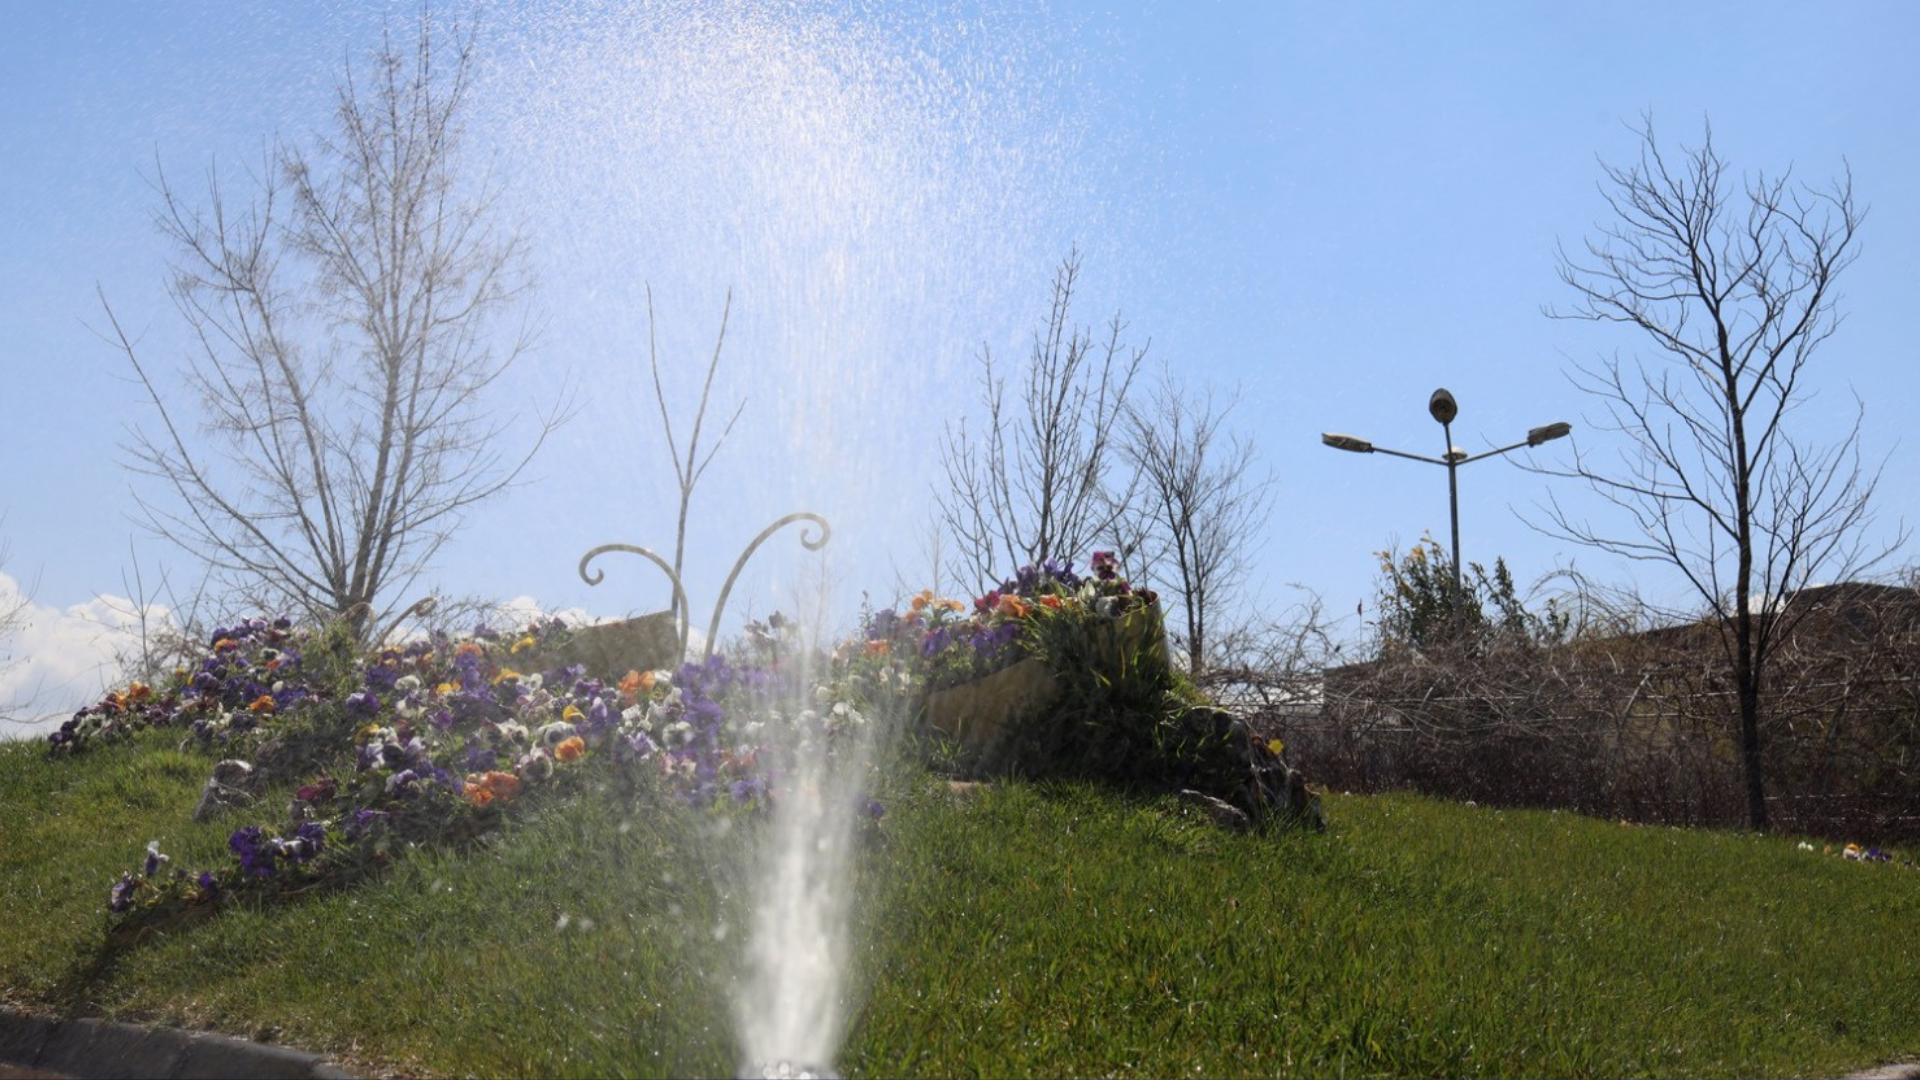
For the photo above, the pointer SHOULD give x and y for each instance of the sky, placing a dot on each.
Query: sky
(1328, 210)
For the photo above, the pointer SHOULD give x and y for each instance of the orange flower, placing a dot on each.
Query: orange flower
(224, 644)
(633, 684)
(139, 691)
(878, 648)
(263, 703)
(467, 648)
(497, 785)
(478, 794)
(1013, 606)
(953, 605)
(1051, 601)
(571, 749)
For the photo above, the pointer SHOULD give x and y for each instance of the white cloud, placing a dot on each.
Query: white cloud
(57, 659)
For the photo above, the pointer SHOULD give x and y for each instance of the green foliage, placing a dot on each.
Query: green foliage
(1418, 608)
(1119, 717)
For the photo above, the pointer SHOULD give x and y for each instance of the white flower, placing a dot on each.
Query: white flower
(636, 717)
(556, 733)
(678, 734)
(407, 684)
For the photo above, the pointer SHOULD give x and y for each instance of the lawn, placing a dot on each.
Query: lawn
(1016, 929)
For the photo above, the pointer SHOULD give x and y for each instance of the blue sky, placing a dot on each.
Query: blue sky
(1335, 208)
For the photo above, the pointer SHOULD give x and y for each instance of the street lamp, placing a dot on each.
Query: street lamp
(1443, 408)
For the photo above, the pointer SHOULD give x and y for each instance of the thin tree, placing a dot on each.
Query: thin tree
(688, 464)
(1730, 280)
(330, 428)
(1034, 484)
(1200, 504)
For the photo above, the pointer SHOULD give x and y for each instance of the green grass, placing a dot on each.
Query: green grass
(1024, 930)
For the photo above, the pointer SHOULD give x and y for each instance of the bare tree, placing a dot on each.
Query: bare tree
(16, 607)
(1034, 485)
(1200, 503)
(688, 464)
(1731, 282)
(342, 329)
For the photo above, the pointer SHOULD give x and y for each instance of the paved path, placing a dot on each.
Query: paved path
(41, 1048)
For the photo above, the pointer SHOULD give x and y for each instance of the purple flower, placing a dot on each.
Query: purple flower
(1105, 566)
(209, 885)
(306, 841)
(936, 641)
(1061, 572)
(155, 860)
(635, 747)
(882, 625)
(255, 852)
(363, 702)
(122, 897)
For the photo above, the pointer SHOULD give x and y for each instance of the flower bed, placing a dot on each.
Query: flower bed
(447, 740)
(1053, 673)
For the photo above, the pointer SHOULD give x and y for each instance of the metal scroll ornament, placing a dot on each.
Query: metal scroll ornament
(807, 540)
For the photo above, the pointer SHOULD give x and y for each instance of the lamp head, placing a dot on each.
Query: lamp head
(1346, 442)
(1442, 406)
(1548, 433)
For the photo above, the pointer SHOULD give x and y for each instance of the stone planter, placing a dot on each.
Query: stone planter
(979, 714)
(610, 650)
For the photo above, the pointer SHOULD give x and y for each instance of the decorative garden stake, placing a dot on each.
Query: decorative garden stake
(807, 540)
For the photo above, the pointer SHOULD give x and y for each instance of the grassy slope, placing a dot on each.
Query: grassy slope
(1023, 931)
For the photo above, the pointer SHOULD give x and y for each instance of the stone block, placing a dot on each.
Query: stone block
(216, 1057)
(23, 1036)
(103, 1050)
(979, 713)
(610, 650)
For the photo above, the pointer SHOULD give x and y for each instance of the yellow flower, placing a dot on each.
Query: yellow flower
(1276, 746)
(572, 714)
(505, 674)
(523, 644)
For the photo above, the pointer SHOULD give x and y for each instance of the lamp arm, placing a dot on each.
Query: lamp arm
(1494, 453)
(1414, 457)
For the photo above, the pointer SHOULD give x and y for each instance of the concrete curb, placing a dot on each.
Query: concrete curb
(106, 1050)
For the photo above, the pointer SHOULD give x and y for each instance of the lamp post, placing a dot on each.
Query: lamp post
(1443, 408)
